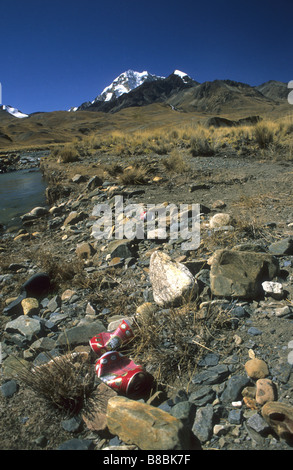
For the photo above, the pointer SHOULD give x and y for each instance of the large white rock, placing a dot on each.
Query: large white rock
(172, 282)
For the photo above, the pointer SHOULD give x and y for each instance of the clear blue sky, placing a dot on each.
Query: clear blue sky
(58, 54)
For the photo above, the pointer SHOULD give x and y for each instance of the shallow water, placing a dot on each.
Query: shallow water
(20, 191)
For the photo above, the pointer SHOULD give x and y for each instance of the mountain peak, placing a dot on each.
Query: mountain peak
(13, 111)
(124, 83)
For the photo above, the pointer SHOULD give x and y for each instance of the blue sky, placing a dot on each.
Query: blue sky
(58, 54)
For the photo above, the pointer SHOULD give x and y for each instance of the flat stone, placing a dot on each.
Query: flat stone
(74, 217)
(282, 247)
(148, 427)
(213, 375)
(233, 388)
(29, 327)
(76, 444)
(78, 335)
(203, 423)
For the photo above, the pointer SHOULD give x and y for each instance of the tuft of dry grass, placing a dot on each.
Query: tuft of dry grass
(176, 163)
(133, 175)
(67, 154)
(66, 381)
(202, 143)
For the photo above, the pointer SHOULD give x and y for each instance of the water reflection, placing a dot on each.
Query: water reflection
(20, 191)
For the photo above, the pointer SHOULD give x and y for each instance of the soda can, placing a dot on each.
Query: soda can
(123, 375)
(110, 341)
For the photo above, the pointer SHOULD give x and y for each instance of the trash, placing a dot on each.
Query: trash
(117, 371)
(123, 375)
(110, 341)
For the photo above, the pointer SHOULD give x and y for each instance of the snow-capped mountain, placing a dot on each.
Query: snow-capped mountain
(124, 83)
(182, 75)
(13, 111)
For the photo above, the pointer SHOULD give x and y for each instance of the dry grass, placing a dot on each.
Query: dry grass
(171, 343)
(133, 175)
(66, 381)
(176, 163)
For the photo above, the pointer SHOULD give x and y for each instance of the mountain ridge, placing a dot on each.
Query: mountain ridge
(179, 90)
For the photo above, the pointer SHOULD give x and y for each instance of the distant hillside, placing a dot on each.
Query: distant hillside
(274, 90)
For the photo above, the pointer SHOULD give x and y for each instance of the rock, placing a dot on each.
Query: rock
(120, 249)
(273, 289)
(74, 217)
(240, 273)
(220, 220)
(213, 375)
(94, 182)
(172, 282)
(85, 250)
(72, 424)
(233, 388)
(78, 178)
(257, 424)
(202, 396)
(78, 335)
(35, 213)
(256, 368)
(282, 247)
(148, 427)
(235, 416)
(265, 391)
(30, 328)
(67, 294)
(203, 423)
(219, 204)
(280, 417)
(184, 411)
(76, 444)
(30, 306)
(253, 331)
(9, 388)
(14, 308)
(54, 303)
(283, 311)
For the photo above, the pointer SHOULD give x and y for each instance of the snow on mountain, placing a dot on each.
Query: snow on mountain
(182, 75)
(14, 112)
(124, 83)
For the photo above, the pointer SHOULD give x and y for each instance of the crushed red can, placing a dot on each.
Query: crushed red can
(110, 341)
(123, 375)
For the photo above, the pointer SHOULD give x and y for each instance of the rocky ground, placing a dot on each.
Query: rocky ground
(212, 358)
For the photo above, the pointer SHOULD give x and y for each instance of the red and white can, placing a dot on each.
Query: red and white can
(123, 375)
(110, 341)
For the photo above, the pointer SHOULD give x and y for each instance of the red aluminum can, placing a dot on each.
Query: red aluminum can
(110, 341)
(123, 375)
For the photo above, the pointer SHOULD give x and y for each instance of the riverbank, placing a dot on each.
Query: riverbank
(21, 160)
(195, 352)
